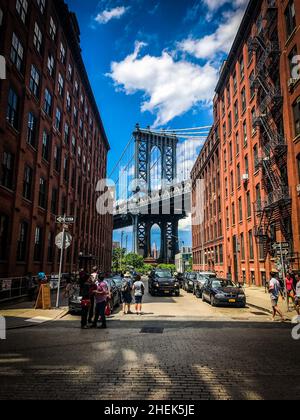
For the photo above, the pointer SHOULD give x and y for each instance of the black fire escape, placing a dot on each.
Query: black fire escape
(273, 213)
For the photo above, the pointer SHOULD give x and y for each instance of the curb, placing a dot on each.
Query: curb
(21, 327)
(260, 308)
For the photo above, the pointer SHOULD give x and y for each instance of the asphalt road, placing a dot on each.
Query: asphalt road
(180, 349)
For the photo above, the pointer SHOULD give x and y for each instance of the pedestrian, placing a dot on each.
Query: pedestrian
(289, 283)
(139, 291)
(69, 290)
(101, 296)
(31, 287)
(297, 295)
(85, 302)
(127, 294)
(83, 277)
(275, 290)
(93, 288)
(95, 274)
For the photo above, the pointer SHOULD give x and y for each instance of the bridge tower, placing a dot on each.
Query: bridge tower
(145, 142)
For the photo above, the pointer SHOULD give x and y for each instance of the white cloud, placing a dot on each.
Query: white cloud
(107, 15)
(187, 153)
(185, 224)
(218, 42)
(216, 4)
(171, 87)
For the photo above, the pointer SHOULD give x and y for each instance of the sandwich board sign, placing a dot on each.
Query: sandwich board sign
(44, 298)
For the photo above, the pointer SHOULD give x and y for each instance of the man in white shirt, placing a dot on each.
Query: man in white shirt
(275, 291)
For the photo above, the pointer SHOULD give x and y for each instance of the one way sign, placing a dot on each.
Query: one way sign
(66, 220)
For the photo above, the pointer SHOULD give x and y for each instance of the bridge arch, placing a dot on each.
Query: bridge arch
(156, 172)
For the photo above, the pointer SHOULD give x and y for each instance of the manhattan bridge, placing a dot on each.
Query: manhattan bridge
(153, 186)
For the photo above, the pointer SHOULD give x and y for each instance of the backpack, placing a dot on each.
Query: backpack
(126, 288)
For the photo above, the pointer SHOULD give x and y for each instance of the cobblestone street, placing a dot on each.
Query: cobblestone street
(200, 353)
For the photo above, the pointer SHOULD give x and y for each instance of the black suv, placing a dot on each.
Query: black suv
(163, 282)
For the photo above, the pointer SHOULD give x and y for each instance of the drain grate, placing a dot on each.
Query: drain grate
(152, 330)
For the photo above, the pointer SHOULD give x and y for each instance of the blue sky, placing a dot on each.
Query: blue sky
(155, 62)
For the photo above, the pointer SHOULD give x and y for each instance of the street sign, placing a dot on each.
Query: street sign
(60, 238)
(68, 220)
(281, 246)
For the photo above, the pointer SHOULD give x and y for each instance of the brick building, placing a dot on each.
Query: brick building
(53, 147)
(251, 159)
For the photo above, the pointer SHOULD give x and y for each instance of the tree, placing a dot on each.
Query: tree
(134, 261)
(118, 259)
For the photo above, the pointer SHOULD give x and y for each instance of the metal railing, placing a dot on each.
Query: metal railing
(19, 287)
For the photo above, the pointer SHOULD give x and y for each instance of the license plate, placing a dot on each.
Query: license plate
(166, 292)
(232, 301)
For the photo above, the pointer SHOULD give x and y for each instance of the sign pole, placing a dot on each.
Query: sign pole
(60, 267)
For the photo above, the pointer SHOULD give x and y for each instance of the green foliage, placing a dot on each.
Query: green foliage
(134, 261)
(169, 267)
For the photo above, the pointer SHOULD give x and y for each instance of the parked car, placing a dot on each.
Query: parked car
(163, 282)
(115, 293)
(219, 292)
(199, 283)
(180, 278)
(188, 284)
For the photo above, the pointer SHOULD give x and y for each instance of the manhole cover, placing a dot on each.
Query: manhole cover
(152, 330)
(259, 313)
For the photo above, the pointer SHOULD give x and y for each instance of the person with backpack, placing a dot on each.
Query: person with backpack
(127, 294)
(139, 291)
(275, 290)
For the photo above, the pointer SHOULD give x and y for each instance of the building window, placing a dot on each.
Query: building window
(256, 158)
(70, 72)
(229, 123)
(54, 201)
(68, 102)
(232, 182)
(244, 101)
(245, 133)
(246, 165)
(51, 65)
(290, 18)
(31, 130)
(236, 112)
(57, 158)
(258, 196)
(22, 9)
(230, 152)
(7, 175)
(50, 247)
(235, 82)
(66, 168)
(293, 61)
(242, 247)
(27, 183)
(58, 119)
(240, 210)
(238, 175)
(34, 83)
(38, 244)
(43, 193)
(4, 224)
(296, 108)
(12, 115)
(237, 143)
(251, 247)
(41, 4)
(60, 85)
(242, 68)
(48, 103)
(67, 133)
(22, 242)
(233, 214)
(53, 29)
(62, 54)
(221, 254)
(249, 210)
(37, 38)
(252, 85)
(17, 52)
(45, 146)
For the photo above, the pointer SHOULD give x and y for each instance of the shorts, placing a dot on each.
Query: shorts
(138, 300)
(127, 298)
(274, 301)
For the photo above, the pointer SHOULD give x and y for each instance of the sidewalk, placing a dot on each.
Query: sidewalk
(23, 315)
(257, 298)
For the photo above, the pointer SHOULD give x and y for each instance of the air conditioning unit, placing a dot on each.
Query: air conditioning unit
(298, 189)
(245, 178)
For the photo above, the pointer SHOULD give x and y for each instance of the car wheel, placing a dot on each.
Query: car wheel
(212, 301)
(177, 294)
(203, 298)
